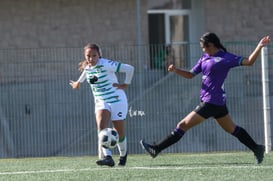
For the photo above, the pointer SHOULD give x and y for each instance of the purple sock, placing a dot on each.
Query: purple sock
(236, 130)
(171, 139)
(179, 131)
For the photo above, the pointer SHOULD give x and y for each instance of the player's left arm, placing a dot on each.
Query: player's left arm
(129, 72)
(253, 56)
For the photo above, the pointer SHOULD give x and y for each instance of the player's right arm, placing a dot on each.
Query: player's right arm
(76, 84)
(181, 72)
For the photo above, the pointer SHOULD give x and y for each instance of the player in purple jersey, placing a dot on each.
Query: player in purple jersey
(214, 66)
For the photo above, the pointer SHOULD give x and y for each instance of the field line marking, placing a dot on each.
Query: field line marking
(47, 171)
(201, 167)
(138, 168)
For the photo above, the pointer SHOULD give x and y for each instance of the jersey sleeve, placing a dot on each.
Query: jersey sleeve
(197, 68)
(128, 70)
(116, 66)
(82, 77)
(111, 65)
(234, 60)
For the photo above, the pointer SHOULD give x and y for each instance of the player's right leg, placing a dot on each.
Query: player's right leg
(100, 153)
(188, 122)
(106, 160)
(102, 119)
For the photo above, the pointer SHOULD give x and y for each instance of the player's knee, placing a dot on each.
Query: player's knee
(183, 126)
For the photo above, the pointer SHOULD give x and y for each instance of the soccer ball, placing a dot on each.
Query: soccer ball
(108, 138)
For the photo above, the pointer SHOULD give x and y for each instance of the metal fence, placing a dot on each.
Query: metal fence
(40, 115)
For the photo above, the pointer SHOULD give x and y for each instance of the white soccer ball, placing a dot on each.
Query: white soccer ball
(108, 138)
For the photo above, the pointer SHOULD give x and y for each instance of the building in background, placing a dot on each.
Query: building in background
(70, 23)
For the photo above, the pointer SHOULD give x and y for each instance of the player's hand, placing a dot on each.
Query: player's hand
(120, 86)
(171, 68)
(264, 41)
(74, 85)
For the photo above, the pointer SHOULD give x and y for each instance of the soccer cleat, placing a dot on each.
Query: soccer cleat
(108, 161)
(122, 160)
(259, 153)
(149, 148)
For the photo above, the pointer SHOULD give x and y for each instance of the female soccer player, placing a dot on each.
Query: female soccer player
(109, 97)
(214, 66)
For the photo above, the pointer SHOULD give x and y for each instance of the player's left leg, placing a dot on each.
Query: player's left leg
(119, 126)
(118, 115)
(227, 124)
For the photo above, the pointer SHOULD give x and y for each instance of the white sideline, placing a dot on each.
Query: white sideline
(139, 168)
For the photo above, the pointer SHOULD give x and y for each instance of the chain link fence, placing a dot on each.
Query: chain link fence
(40, 115)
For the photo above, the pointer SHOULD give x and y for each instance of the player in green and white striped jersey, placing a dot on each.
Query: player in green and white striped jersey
(109, 97)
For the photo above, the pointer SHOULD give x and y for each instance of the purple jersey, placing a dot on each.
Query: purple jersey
(215, 69)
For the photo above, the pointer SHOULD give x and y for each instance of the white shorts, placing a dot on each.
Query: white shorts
(118, 110)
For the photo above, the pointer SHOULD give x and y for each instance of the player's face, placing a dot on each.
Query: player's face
(207, 49)
(91, 55)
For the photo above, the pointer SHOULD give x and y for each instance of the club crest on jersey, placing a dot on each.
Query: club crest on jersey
(217, 59)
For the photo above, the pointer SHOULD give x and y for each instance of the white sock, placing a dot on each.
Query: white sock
(100, 152)
(122, 147)
(106, 151)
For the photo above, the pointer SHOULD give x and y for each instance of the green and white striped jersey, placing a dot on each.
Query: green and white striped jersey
(105, 70)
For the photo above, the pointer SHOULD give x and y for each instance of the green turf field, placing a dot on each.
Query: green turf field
(209, 166)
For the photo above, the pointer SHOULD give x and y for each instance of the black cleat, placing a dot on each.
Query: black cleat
(259, 153)
(122, 160)
(149, 148)
(108, 161)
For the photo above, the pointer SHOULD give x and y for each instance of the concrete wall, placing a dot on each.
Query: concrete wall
(72, 23)
(239, 20)
(69, 23)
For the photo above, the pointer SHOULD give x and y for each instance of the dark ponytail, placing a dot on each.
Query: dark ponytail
(212, 38)
(222, 47)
